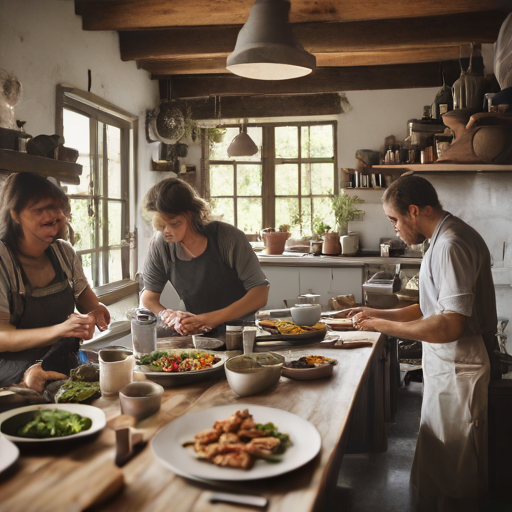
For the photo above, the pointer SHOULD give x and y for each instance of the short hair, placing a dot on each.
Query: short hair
(173, 196)
(408, 190)
(20, 191)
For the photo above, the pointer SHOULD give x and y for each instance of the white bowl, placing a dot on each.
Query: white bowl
(306, 314)
(141, 399)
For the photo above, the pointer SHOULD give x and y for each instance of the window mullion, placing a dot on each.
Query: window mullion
(268, 176)
(94, 203)
(105, 205)
(235, 188)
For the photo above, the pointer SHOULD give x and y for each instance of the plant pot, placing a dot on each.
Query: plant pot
(274, 242)
(331, 246)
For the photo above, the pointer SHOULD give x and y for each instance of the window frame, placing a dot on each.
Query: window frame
(92, 106)
(268, 163)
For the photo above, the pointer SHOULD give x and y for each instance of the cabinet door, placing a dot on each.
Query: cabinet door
(329, 282)
(284, 285)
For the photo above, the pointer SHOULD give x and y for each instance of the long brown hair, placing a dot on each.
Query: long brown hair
(20, 191)
(175, 197)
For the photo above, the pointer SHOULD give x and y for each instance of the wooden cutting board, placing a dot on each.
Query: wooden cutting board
(339, 324)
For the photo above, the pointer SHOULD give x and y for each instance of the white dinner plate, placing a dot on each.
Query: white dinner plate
(87, 411)
(184, 376)
(9, 453)
(167, 445)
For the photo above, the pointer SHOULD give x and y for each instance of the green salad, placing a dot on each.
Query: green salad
(55, 423)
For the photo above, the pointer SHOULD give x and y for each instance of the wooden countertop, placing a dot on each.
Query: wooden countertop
(295, 260)
(76, 476)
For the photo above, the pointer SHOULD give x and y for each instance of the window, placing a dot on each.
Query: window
(287, 182)
(100, 205)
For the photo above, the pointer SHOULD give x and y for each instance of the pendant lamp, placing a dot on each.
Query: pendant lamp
(266, 48)
(242, 144)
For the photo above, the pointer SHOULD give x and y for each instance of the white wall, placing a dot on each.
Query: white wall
(43, 43)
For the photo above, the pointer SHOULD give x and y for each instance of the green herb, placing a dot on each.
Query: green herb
(157, 354)
(77, 391)
(55, 423)
(271, 430)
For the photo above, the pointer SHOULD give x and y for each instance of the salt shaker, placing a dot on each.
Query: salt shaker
(249, 335)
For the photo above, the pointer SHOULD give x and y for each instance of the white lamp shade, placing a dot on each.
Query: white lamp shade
(266, 48)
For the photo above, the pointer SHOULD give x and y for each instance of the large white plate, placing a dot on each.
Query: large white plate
(87, 411)
(9, 453)
(167, 445)
(183, 376)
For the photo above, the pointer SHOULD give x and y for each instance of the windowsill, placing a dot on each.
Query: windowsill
(114, 292)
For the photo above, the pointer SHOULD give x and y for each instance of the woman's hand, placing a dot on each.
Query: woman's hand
(35, 377)
(77, 326)
(101, 316)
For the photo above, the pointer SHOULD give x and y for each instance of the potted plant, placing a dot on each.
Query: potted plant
(275, 241)
(344, 210)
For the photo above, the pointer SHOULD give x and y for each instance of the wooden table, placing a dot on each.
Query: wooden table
(77, 476)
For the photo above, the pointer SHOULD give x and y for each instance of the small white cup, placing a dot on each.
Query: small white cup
(306, 314)
(116, 370)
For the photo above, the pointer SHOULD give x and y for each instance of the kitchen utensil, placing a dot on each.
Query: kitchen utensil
(306, 314)
(116, 370)
(167, 445)
(250, 374)
(11, 421)
(141, 399)
(143, 332)
(239, 499)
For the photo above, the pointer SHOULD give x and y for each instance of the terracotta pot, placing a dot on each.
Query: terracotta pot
(331, 245)
(275, 242)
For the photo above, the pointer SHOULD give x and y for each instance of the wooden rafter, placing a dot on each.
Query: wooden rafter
(136, 14)
(317, 38)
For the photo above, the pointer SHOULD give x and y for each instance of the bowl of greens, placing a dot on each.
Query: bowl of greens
(51, 422)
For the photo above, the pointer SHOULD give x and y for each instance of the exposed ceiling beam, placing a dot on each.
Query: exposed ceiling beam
(217, 41)
(165, 68)
(136, 14)
(396, 76)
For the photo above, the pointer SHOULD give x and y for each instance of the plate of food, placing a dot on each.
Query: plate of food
(309, 367)
(46, 423)
(9, 454)
(181, 365)
(236, 442)
(288, 330)
(339, 324)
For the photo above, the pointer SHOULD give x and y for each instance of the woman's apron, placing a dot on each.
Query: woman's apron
(449, 472)
(41, 307)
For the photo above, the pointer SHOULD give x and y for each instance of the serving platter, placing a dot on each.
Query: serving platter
(178, 378)
(167, 445)
(11, 421)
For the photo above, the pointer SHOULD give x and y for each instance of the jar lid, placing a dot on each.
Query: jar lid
(234, 328)
(144, 316)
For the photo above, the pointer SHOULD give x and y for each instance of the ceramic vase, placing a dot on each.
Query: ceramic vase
(275, 241)
(331, 245)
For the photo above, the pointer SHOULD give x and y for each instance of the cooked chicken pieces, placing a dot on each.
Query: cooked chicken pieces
(222, 444)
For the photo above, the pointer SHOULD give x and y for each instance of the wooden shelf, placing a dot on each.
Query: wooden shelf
(16, 161)
(442, 167)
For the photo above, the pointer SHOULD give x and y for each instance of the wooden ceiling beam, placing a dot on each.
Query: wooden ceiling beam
(213, 41)
(396, 76)
(165, 68)
(137, 14)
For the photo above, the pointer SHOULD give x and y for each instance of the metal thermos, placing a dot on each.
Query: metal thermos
(143, 332)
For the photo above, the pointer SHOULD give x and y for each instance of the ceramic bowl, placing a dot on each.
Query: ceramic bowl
(318, 372)
(141, 399)
(306, 314)
(249, 374)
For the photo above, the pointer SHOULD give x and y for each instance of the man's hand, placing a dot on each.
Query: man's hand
(350, 312)
(364, 322)
(197, 324)
(35, 377)
(101, 317)
(76, 326)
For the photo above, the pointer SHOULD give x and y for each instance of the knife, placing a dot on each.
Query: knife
(239, 499)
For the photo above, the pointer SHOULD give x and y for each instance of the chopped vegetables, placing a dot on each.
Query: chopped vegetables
(160, 361)
(55, 423)
(310, 362)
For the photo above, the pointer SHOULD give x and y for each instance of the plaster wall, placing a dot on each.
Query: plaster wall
(44, 45)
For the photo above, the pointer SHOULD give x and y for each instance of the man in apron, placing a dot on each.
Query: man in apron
(456, 321)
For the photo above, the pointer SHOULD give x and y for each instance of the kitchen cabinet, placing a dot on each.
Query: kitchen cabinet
(287, 283)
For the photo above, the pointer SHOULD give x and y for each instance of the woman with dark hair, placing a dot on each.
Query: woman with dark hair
(210, 264)
(41, 281)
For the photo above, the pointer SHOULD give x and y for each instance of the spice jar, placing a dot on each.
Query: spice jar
(234, 339)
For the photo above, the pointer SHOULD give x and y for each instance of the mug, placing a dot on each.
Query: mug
(116, 370)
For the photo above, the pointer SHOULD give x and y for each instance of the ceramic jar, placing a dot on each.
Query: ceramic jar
(331, 245)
